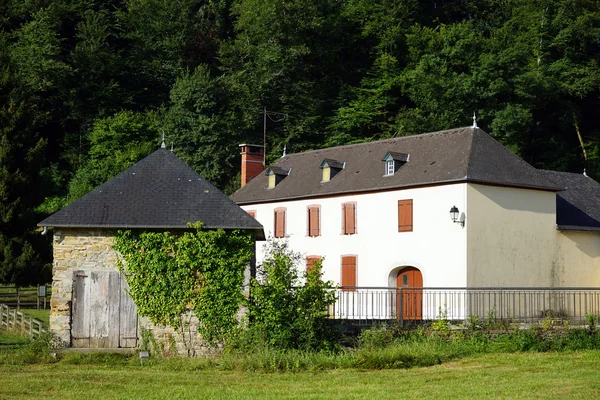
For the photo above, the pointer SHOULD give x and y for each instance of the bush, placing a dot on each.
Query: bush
(288, 310)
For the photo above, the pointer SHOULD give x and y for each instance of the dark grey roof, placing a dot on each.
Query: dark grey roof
(331, 163)
(278, 171)
(456, 155)
(160, 191)
(578, 206)
(403, 157)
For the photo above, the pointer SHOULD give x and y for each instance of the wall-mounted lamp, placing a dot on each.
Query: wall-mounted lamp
(454, 214)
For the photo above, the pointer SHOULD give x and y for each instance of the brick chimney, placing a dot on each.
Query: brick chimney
(252, 161)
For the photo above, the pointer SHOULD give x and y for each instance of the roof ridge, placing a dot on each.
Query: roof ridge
(380, 140)
(469, 152)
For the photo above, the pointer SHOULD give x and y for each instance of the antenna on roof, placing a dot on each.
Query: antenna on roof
(163, 145)
(584, 173)
(284, 150)
(474, 121)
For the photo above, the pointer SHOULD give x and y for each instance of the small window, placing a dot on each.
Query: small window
(348, 273)
(310, 262)
(389, 167)
(349, 218)
(279, 224)
(404, 280)
(405, 215)
(326, 174)
(314, 221)
(275, 175)
(331, 168)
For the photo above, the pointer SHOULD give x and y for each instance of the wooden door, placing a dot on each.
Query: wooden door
(410, 298)
(103, 315)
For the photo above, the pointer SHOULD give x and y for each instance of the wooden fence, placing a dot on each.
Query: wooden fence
(12, 319)
(27, 297)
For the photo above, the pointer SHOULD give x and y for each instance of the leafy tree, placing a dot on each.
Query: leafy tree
(116, 143)
(201, 127)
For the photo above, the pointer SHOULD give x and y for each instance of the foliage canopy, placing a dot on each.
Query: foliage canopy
(88, 86)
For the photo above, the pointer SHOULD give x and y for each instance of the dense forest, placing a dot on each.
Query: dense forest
(88, 87)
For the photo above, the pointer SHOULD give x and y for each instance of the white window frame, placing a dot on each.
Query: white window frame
(389, 167)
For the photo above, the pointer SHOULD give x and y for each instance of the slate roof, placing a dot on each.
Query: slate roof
(578, 206)
(160, 191)
(333, 163)
(450, 156)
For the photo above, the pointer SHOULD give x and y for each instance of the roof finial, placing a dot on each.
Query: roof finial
(474, 121)
(284, 150)
(163, 145)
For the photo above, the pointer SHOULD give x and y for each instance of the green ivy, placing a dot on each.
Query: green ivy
(200, 270)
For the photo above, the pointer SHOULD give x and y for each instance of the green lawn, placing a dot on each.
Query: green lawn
(10, 338)
(42, 315)
(491, 376)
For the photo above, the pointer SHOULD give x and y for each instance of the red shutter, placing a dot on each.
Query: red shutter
(279, 223)
(252, 213)
(310, 262)
(405, 215)
(349, 227)
(313, 221)
(349, 272)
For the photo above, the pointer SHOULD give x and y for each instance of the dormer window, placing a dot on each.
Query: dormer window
(276, 175)
(393, 161)
(389, 167)
(331, 168)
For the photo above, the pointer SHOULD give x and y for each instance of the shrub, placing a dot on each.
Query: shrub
(288, 310)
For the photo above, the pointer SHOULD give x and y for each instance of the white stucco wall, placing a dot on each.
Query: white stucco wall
(512, 236)
(436, 246)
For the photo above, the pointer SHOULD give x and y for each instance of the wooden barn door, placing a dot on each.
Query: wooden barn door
(411, 282)
(103, 315)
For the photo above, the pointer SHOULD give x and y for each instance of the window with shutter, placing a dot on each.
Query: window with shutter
(349, 218)
(405, 215)
(279, 228)
(310, 262)
(348, 273)
(314, 221)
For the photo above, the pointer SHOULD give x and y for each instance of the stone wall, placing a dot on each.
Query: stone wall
(75, 249)
(165, 341)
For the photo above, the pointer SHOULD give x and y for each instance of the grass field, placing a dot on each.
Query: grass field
(42, 315)
(489, 376)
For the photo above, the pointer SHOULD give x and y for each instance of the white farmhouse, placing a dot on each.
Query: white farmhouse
(449, 209)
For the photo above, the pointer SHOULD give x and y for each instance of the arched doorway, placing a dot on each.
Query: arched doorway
(409, 302)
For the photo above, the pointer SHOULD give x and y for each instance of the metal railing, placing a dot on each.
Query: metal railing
(519, 304)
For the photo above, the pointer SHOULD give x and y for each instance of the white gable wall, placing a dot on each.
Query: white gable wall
(436, 246)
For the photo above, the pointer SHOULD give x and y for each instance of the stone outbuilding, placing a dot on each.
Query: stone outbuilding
(90, 306)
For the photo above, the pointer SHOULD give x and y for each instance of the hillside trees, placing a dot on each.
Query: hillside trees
(23, 252)
(95, 82)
